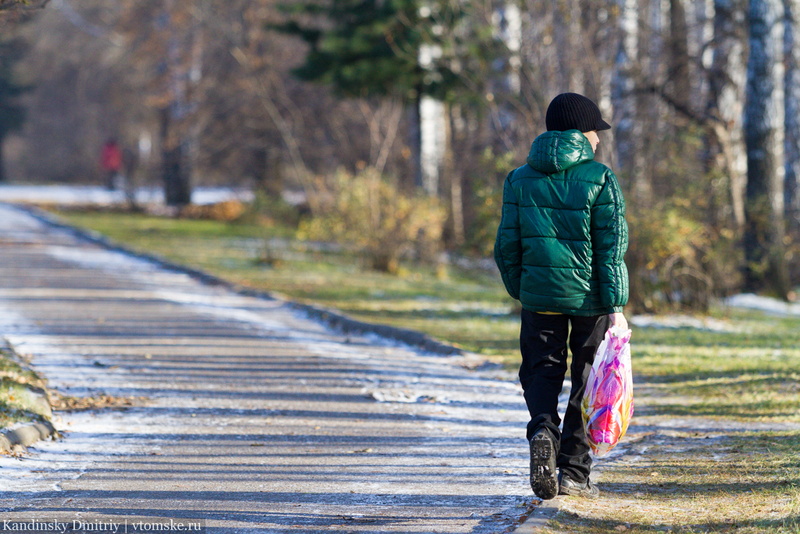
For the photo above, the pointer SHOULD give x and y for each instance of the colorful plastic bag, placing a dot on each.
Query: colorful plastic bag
(608, 400)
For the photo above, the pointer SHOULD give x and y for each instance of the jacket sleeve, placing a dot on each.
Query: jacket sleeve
(609, 243)
(508, 245)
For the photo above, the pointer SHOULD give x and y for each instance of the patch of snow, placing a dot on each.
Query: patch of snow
(197, 297)
(91, 435)
(707, 324)
(106, 260)
(393, 395)
(93, 194)
(11, 322)
(750, 301)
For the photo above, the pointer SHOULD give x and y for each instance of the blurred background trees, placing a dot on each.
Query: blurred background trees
(437, 99)
(12, 114)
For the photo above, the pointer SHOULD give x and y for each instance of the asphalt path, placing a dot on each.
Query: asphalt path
(246, 415)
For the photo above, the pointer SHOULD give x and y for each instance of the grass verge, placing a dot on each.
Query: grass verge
(695, 481)
(23, 397)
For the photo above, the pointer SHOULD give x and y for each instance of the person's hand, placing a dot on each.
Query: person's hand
(618, 319)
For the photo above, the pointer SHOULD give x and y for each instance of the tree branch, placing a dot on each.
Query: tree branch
(22, 5)
(701, 119)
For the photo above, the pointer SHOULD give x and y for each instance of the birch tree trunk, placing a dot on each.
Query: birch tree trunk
(511, 33)
(791, 47)
(432, 129)
(727, 79)
(628, 134)
(765, 267)
(700, 20)
(433, 142)
(622, 85)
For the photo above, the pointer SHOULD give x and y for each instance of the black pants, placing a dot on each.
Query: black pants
(543, 343)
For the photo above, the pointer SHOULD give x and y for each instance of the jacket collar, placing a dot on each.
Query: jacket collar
(556, 151)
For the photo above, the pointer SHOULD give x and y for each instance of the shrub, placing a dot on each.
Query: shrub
(225, 211)
(367, 213)
(270, 210)
(678, 262)
(488, 200)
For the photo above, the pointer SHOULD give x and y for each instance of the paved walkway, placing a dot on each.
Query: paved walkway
(247, 416)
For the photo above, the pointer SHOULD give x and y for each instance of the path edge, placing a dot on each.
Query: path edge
(332, 318)
(19, 436)
(26, 435)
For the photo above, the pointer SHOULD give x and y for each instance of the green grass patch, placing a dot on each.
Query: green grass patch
(749, 372)
(734, 482)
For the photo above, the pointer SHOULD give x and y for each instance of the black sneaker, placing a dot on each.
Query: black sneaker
(543, 465)
(567, 486)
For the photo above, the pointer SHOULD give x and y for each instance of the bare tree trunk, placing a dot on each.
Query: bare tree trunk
(791, 47)
(22, 5)
(628, 134)
(267, 170)
(432, 118)
(456, 186)
(433, 142)
(766, 267)
(415, 138)
(601, 77)
(2, 163)
(175, 157)
(622, 86)
(678, 50)
(173, 160)
(727, 79)
(700, 22)
(511, 33)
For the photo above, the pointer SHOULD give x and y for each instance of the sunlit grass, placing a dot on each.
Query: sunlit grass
(737, 482)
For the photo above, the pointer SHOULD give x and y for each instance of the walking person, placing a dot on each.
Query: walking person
(111, 163)
(560, 248)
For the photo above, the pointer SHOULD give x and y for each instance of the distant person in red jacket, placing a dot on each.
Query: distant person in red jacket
(111, 163)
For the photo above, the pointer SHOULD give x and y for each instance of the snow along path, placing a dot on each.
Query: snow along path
(249, 416)
(98, 195)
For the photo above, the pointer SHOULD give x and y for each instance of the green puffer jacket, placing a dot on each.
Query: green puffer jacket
(563, 233)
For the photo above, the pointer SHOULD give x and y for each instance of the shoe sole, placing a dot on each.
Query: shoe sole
(543, 468)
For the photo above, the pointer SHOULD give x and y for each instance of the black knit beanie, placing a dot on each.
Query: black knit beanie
(571, 111)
